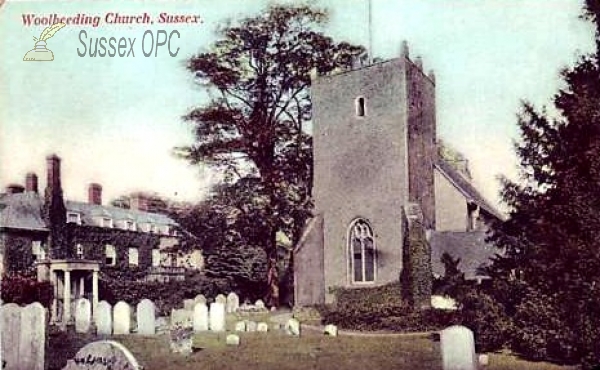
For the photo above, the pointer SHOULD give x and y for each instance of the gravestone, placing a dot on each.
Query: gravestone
(260, 305)
(188, 304)
(221, 299)
(200, 298)
(121, 318)
(458, 348)
(232, 340)
(251, 326)
(83, 315)
(103, 318)
(262, 327)
(24, 336)
(182, 318)
(292, 327)
(233, 302)
(331, 330)
(146, 317)
(103, 355)
(181, 340)
(217, 316)
(200, 317)
(240, 326)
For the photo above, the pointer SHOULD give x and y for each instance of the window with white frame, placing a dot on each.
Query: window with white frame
(361, 250)
(156, 257)
(74, 218)
(110, 255)
(37, 250)
(79, 250)
(129, 225)
(133, 256)
(107, 222)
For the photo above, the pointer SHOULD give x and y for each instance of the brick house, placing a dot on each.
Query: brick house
(69, 242)
(377, 166)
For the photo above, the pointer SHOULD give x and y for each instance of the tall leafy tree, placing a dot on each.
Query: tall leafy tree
(258, 74)
(552, 237)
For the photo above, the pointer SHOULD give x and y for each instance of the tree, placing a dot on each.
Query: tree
(552, 237)
(258, 74)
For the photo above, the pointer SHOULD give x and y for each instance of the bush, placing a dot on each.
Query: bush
(23, 289)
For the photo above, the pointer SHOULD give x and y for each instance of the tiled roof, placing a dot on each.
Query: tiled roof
(470, 247)
(466, 188)
(24, 211)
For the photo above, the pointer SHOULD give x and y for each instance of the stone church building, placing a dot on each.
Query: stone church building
(377, 163)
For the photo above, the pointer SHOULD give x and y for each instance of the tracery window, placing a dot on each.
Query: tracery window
(361, 247)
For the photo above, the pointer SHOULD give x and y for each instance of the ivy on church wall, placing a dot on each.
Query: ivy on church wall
(417, 277)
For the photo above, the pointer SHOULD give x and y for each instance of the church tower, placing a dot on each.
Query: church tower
(374, 148)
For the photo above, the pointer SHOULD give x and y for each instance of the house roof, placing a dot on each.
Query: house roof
(470, 247)
(22, 211)
(25, 211)
(465, 187)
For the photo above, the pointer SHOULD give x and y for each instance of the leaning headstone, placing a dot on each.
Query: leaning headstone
(32, 338)
(221, 299)
(83, 315)
(200, 298)
(233, 302)
(458, 348)
(200, 317)
(103, 318)
(146, 317)
(251, 326)
(11, 323)
(182, 318)
(121, 318)
(262, 327)
(331, 330)
(217, 316)
(233, 340)
(260, 305)
(240, 326)
(188, 304)
(102, 355)
(292, 327)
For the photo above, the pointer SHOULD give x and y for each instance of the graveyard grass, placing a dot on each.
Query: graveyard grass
(275, 350)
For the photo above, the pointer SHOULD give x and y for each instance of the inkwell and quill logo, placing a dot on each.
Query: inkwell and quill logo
(40, 53)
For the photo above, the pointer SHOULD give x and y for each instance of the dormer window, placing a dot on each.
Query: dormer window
(107, 222)
(129, 225)
(360, 106)
(73, 218)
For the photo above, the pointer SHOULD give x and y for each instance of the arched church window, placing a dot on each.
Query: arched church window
(360, 106)
(361, 248)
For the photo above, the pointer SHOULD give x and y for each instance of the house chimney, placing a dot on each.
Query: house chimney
(31, 182)
(139, 202)
(14, 189)
(53, 168)
(95, 194)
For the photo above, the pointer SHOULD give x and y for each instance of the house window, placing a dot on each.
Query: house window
(360, 106)
(74, 218)
(155, 257)
(79, 250)
(129, 225)
(152, 228)
(361, 249)
(111, 255)
(133, 256)
(166, 230)
(37, 250)
(107, 222)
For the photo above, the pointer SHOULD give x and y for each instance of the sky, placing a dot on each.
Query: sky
(115, 121)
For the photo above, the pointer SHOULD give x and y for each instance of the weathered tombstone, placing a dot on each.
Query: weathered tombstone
(217, 316)
(251, 326)
(233, 302)
(146, 317)
(121, 318)
(240, 326)
(292, 327)
(200, 317)
(31, 339)
(103, 318)
(83, 315)
(182, 318)
(221, 299)
(105, 354)
(11, 323)
(331, 330)
(200, 298)
(484, 360)
(232, 340)
(458, 348)
(262, 327)
(188, 304)
(260, 305)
